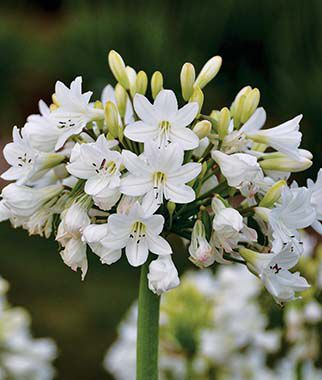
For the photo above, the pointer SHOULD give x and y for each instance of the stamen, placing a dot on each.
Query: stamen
(158, 186)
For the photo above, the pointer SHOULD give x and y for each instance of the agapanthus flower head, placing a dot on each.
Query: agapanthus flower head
(124, 172)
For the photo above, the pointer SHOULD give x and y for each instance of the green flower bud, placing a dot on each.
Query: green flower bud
(131, 73)
(118, 69)
(250, 104)
(285, 164)
(156, 83)
(197, 97)
(202, 129)
(121, 99)
(223, 122)
(112, 119)
(141, 82)
(273, 194)
(187, 79)
(208, 72)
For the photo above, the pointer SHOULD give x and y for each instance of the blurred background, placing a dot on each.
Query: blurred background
(273, 45)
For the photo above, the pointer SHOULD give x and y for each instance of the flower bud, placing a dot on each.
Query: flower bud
(202, 129)
(223, 122)
(201, 252)
(208, 72)
(121, 99)
(156, 83)
(76, 219)
(118, 69)
(141, 83)
(250, 104)
(187, 79)
(171, 207)
(131, 74)
(238, 104)
(285, 164)
(112, 118)
(197, 97)
(162, 275)
(273, 194)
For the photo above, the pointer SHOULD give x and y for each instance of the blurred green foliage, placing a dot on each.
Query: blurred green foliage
(274, 45)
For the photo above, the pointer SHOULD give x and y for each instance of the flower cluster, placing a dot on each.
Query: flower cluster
(21, 356)
(122, 173)
(202, 330)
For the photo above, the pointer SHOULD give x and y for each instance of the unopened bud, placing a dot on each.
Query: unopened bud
(250, 104)
(141, 82)
(98, 105)
(202, 129)
(197, 97)
(121, 99)
(118, 69)
(156, 83)
(208, 72)
(112, 119)
(131, 73)
(223, 122)
(171, 207)
(238, 105)
(187, 80)
(54, 99)
(273, 194)
(285, 164)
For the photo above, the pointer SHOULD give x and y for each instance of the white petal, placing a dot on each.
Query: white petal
(185, 115)
(155, 224)
(140, 131)
(135, 164)
(135, 186)
(185, 138)
(255, 122)
(185, 174)
(137, 254)
(158, 245)
(96, 184)
(166, 105)
(179, 193)
(144, 109)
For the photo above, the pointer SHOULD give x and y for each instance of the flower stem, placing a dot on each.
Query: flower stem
(148, 330)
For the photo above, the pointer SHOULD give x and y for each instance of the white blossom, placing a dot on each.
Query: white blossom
(316, 200)
(201, 252)
(163, 122)
(162, 275)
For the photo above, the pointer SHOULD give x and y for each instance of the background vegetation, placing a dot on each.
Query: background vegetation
(275, 45)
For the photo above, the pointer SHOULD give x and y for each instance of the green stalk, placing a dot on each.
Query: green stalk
(148, 330)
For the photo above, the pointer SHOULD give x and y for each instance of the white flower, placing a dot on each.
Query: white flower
(108, 95)
(201, 252)
(42, 130)
(255, 122)
(316, 200)
(98, 164)
(107, 198)
(163, 122)
(27, 164)
(240, 169)
(293, 213)
(285, 138)
(162, 275)
(76, 219)
(25, 201)
(5, 213)
(273, 270)
(159, 174)
(138, 233)
(74, 110)
(228, 230)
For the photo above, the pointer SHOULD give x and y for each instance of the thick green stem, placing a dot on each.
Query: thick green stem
(148, 330)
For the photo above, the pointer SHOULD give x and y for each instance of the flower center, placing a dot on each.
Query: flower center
(106, 167)
(164, 135)
(159, 179)
(138, 231)
(24, 160)
(66, 124)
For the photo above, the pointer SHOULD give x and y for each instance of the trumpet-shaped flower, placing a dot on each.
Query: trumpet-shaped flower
(74, 110)
(240, 169)
(273, 270)
(201, 252)
(293, 213)
(98, 164)
(74, 255)
(137, 232)
(285, 138)
(159, 174)
(25, 201)
(27, 164)
(163, 122)
(163, 275)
